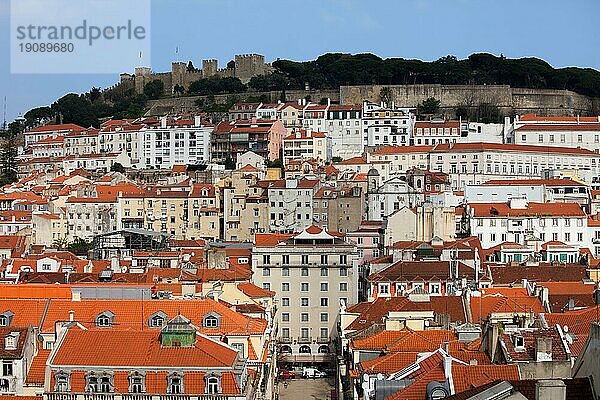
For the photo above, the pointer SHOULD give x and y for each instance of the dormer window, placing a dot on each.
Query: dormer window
(137, 382)
(175, 383)
(6, 318)
(99, 383)
(62, 382)
(105, 319)
(157, 320)
(519, 342)
(213, 384)
(211, 320)
(11, 340)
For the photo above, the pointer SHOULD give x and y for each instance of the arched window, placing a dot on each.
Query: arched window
(285, 349)
(304, 349)
(213, 385)
(175, 384)
(137, 383)
(323, 349)
(62, 382)
(92, 384)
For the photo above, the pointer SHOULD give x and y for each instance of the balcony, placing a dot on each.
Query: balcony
(322, 340)
(305, 339)
(135, 396)
(285, 340)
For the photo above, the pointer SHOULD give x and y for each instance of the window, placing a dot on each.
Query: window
(156, 321)
(324, 286)
(105, 319)
(304, 333)
(285, 271)
(304, 287)
(211, 320)
(285, 287)
(136, 383)
(324, 259)
(384, 288)
(285, 301)
(324, 317)
(324, 333)
(266, 271)
(304, 258)
(304, 302)
(304, 317)
(266, 286)
(212, 385)
(285, 259)
(324, 301)
(304, 271)
(434, 288)
(324, 271)
(343, 286)
(62, 382)
(7, 368)
(343, 271)
(174, 383)
(285, 317)
(285, 333)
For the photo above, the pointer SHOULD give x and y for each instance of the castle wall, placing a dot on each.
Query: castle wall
(508, 100)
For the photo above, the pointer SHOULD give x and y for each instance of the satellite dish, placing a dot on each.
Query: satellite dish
(566, 329)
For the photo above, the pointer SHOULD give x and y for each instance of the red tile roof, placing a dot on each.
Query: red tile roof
(131, 349)
(560, 127)
(251, 290)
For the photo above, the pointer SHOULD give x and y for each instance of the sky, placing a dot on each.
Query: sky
(564, 33)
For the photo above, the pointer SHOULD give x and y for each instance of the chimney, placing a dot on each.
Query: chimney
(554, 389)
(163, 122)
(328, 102)
(308, 133)
(543, 349)
(71, 315)
(197, 121)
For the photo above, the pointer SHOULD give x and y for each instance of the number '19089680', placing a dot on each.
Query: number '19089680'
(46, 47)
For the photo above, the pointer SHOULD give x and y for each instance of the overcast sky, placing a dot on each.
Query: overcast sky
(564, 33)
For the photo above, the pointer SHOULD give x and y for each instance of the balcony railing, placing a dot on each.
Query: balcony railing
(305, 339)
(136, 396)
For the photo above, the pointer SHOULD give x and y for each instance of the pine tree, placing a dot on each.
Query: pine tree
(8, 154)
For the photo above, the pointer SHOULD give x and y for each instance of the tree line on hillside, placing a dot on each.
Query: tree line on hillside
(334, 70)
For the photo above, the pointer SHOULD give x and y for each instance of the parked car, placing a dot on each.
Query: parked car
(308, 372)
(284, 374)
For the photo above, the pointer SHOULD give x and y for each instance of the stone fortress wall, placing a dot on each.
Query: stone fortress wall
(246, 66)
(509, 100)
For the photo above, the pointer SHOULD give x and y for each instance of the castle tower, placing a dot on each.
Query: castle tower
(209, 68)
(142, 76)
(178, 71)
(249, 65)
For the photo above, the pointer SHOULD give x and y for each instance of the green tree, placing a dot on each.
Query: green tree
(386, 95)
(275, 163)
(8, 153)
(80, 247)
(117, 167)
(429, 106)
(178, 90)
(154, 89)
(76, 109)
(38, 115)
(323, 101)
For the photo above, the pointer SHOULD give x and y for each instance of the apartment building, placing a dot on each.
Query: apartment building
(231, 139)
(574, 132)
(306, 144)
(291, 204)
(339, 209)
(79, 142)
(435, 132)
(174, 141)
(383, 125)
(45, 131)
(523, 222)
(344, 127)
(49, 147)
(312, 273)
(118, 136)
(474, 163)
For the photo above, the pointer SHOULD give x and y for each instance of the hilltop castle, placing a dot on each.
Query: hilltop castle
(244, 67)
